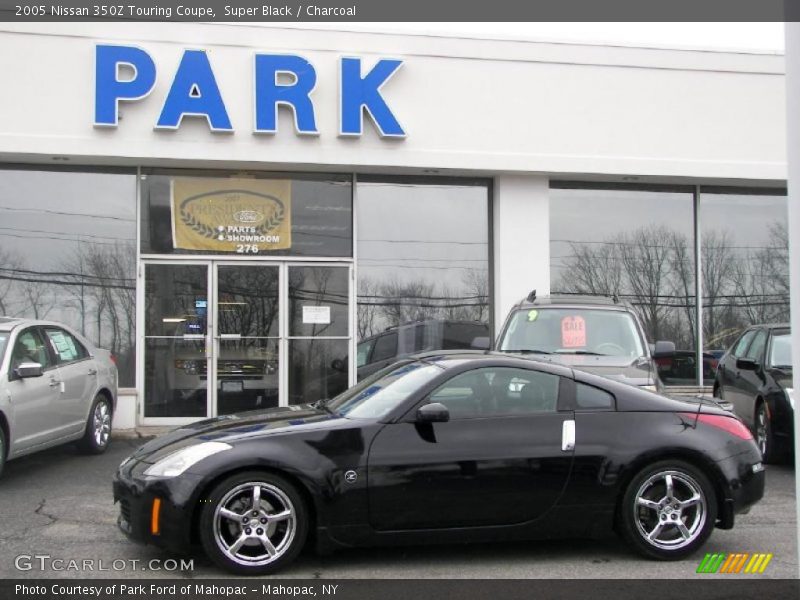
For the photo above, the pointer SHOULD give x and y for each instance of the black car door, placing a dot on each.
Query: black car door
(728, 371)
(500, 460)
(749, 382)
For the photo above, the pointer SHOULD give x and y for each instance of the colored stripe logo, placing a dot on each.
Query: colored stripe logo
(735, 563)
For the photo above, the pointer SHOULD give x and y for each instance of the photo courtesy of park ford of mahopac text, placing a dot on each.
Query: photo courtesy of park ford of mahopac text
(357, 300)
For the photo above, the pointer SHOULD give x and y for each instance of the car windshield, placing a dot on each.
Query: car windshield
(781, 352)
(377, 395)
(573, 331)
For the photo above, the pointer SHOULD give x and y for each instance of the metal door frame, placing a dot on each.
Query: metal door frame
(212, 334)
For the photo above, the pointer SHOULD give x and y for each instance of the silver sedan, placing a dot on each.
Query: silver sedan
(55, 387)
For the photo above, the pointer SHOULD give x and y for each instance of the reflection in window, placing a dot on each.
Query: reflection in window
(259, 214)
(68, 254)
(423, 253)
(745, 264)
(637, 245)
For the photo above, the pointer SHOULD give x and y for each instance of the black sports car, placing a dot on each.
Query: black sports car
(755, 376)
(445, 447)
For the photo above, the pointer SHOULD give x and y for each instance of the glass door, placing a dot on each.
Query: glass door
(226, 337)
(176, 340)
(247, 331)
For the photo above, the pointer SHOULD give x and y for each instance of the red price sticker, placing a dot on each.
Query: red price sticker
(573, 332)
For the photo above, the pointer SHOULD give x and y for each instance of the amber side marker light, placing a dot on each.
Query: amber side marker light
(155, 517)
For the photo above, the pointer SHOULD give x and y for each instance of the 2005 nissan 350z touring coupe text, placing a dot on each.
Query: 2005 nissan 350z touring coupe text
(448, 447)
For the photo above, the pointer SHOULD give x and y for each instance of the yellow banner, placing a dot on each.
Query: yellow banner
(246, 216)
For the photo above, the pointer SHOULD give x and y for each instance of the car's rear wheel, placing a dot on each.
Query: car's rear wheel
(764, 436)
(668, 510)
(254, 523)
(98, 427)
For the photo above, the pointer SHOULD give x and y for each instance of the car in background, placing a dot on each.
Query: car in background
(596, 334)
(378, 351)
(679, 367)
(55, 387)
(755, 377)
(445, 447)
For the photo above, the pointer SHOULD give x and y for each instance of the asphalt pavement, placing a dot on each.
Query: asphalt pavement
(58, 504)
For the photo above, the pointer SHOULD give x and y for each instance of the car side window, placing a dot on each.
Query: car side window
(741, 345)
(756, 349)
(362, 352)
(588, 397)
(498, 391)
(65, 346)
(385, 347)
(28, 348)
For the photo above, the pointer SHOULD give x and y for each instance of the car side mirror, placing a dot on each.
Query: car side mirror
(481, 343)
(747, 364)
(435, 412)
(28, 369)
(664, 347)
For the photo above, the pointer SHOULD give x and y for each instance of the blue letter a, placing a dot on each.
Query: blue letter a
(194, 92)
(359, 94)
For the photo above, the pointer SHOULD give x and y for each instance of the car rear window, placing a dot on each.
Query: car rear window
(780, 354)
(573, 331)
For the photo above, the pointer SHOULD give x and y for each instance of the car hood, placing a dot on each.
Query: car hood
(231, 428)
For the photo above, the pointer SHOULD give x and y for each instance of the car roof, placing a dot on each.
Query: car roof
(11, 323)
(457, 358)
(771, 326)
(574, 300)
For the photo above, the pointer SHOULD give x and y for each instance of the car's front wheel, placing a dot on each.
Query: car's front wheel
(98, 427)
(253, 523)
(764, 436)
(668, 510)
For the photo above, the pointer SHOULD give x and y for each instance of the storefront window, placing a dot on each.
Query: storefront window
(745, 248)
(68, 254)
(635, 244)
(423, 256)
(246, 214)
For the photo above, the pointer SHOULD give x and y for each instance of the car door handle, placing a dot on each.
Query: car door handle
(568, 436)
(93, 372)
(54, 383)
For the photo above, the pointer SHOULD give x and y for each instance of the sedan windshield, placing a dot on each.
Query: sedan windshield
(780, 354)
(573, 331)
(376, 396)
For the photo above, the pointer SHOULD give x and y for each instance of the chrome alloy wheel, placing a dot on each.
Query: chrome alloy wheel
(254, 523)
(670, 510)
(761, 429)
(101, 424)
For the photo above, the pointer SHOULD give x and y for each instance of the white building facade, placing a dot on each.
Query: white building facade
(234, 210)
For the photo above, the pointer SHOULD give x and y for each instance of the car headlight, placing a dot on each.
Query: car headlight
(789, 396)
(176, 463)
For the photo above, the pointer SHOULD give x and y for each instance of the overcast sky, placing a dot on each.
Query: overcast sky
(758, 37)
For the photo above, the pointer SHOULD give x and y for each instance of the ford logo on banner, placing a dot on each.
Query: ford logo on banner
(194, 91)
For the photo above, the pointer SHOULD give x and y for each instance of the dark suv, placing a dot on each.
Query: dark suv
(595, 334)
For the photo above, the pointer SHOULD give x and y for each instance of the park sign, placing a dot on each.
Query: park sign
(128, 74)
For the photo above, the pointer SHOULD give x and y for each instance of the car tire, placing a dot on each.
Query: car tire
(668, 510)
(97, 435)
(765, 439)
(249, 532)
(3, 449)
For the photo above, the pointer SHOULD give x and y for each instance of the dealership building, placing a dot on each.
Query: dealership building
(238, 211)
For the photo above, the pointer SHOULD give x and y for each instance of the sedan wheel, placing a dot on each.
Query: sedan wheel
(668, 510)
(98, 427)
(763, 434)
(253, 523)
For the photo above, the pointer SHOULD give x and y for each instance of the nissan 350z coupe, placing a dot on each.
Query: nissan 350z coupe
(447, 447)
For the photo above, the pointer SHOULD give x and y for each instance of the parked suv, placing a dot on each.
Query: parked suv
(378, 351)
(595, 334)
(55, 387)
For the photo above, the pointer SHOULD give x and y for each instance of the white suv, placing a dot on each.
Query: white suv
(55, 387)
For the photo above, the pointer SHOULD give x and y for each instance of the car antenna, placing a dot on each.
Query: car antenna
(532, 296)
(699, 407)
